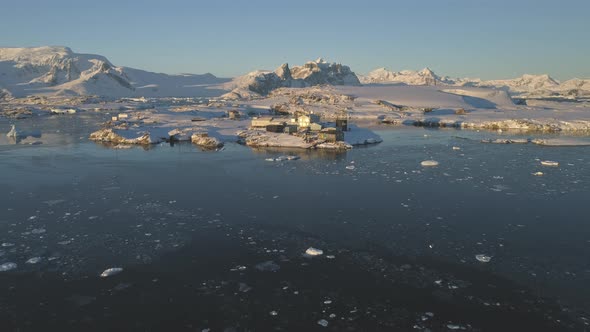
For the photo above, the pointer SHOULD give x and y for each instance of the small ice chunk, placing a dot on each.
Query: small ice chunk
(239, 268)
(538, 174)
(7, 267)
(244, 288)
(273, 313)
(7, 244)
(429, 163)
(34, 260)
(111, 272)
(483, 258)
(54, 202)
(311, 251)
(323, 322)
(292, 157)
(549, 163)
(38, 231)
(454, 327)
(351, 167)
(456, 148)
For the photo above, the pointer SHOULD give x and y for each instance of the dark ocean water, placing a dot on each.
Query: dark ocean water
(195, 232)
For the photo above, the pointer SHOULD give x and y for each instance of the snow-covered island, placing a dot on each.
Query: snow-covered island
(315, 105)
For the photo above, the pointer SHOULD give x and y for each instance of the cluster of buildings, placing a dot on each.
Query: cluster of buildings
(303, 123)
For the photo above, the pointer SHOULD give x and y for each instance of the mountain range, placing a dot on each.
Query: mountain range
(526, 85)
(60, 71)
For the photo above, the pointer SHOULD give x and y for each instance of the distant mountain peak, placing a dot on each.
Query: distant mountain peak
(58, 70)
(427, 71)
(527, 84)
(312, 73)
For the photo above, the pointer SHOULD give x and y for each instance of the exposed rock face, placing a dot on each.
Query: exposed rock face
(110, 136)
(284, 73)
(321, 72)
(317, 72)
(203, 140)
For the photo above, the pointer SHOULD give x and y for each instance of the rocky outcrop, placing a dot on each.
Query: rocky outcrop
(313, 73)
(203, 140)
(321, 72)
(109, 135)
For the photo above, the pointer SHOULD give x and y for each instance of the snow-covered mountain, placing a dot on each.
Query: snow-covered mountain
(423, 77)
(60, 71)
(526, 85)
(312, 73)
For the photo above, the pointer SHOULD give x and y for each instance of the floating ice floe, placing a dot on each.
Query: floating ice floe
(282, 158)
(311, 251)
(538, 174)
(483, 258)
(7, 267)
(111, 272)
(239, 268)
(244, 288)
(455, 327)
(38, 231)
(34, 260)
(351, 167)
(429, 163)
(323, 322)
(549, 163)
(456, 148)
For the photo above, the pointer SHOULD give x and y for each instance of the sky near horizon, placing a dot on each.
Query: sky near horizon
(459, 38)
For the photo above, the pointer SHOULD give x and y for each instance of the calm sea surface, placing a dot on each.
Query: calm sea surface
(216, 240)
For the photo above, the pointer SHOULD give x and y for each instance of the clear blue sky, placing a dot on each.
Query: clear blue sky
(473, 38)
